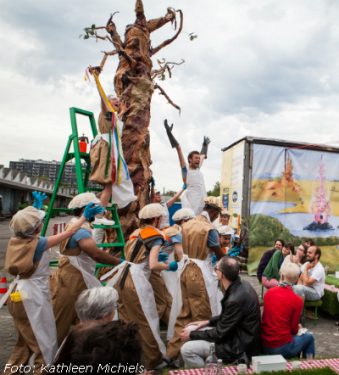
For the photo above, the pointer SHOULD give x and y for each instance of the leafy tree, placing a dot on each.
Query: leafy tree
(215, 192)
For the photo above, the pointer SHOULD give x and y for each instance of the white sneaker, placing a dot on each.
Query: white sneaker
(103, 221)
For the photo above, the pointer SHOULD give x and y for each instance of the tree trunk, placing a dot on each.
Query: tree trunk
(134, 87)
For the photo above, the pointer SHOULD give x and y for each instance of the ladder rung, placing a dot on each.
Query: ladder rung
(112, 244)
(111, 208)
(94, 189)
(104, 226)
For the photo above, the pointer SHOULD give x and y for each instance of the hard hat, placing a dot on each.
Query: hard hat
(225, 230)
(82, 200)
(225, 213)
(26, 221)
(183, 214)
(151, 211)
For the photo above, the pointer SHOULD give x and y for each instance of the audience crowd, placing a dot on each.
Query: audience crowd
(185, 277)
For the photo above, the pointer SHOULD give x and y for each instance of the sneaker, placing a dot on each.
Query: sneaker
(103, 221)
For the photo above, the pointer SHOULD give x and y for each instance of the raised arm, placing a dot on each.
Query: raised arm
(175, 144)
(95, 71)
(204, 149)
(171, 201)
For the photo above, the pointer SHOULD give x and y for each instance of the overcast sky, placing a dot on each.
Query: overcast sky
(264, 68)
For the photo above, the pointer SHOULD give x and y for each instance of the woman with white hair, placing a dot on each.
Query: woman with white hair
(136, 296)
(27, 258)
(76, 268)
(97, 304)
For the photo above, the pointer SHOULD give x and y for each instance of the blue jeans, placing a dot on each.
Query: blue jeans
(300, 344)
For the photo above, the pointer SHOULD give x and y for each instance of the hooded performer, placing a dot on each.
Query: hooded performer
(131, 279)
(76, 268)
(27, 258)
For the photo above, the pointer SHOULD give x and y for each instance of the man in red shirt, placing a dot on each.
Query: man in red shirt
(281, 316)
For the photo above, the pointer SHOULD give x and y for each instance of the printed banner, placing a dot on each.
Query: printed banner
(231, 188)
(294, 196)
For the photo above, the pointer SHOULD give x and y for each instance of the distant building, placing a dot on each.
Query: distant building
(46, 169)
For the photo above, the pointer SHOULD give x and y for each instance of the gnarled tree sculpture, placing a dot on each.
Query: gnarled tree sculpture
(134, 84)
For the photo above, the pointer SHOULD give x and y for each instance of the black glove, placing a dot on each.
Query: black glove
(204, 147)
(173, 141)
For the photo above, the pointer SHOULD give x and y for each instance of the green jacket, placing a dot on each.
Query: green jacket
(272, 269)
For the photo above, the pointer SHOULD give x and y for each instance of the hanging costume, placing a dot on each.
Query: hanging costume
(75, 273)
(32, 311)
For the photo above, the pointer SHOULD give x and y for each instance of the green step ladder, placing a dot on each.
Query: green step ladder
(82, 171)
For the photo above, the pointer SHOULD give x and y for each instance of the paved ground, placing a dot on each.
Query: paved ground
(325, 331)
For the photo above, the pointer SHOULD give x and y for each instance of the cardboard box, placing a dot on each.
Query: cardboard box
(268, 363)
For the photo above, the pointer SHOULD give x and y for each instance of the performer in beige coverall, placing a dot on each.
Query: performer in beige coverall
(76, 268)
(27, 258)
(131, 279)
(199, 285)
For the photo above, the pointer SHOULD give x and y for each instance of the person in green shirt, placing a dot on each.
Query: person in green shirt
(271, 275)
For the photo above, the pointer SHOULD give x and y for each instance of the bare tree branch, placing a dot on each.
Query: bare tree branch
(165, 66)
(162, 92)
(169, 41)
(116, 40)
(156, 23)
(112, 30)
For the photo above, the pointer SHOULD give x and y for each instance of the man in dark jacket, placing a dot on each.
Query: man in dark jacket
(235, 332)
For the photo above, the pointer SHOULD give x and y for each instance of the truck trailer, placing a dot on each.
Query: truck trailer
(282, 189)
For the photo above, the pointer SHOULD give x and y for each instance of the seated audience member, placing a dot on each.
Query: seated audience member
(225, 235)
(308, 242)
(278, 245)
(281, 316)
(235, 332)
(271, 276)
(98, 303)
(102, 343)
(312, 279)
(297, 256)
